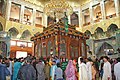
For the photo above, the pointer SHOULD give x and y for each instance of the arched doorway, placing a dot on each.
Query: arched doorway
(26, 35)
(105, 49)
(13, 32)
(87, 33)
(111, 30)
(74, 19)
(98, 33)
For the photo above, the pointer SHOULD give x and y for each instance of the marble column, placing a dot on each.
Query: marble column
(69, 20)
(22, 13)
(34, 17)
(57, 20)
(102, 4)
(8, 46)
(5, 39)
(8, 9)
(91, 13)
(83, 18)
(117, 6)
(80, 18)
(44, 21)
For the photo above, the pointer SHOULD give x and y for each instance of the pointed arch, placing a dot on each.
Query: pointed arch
(26, 35)
(87, 32)
(98, 30)
(13, 32)
(74, 19)
(112, 27)
(111, 30)
(1, 27)
(98, 33)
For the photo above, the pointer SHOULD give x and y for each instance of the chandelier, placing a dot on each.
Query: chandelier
(58, 9)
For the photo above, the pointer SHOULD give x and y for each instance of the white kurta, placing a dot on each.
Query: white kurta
(89, 68)
(83, 72)
(117, 71)
(107, 71)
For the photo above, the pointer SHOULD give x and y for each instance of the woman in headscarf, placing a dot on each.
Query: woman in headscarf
(70, 71)
(76, 68)
(82, 69)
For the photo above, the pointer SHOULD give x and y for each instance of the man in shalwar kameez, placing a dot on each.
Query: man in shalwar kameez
(82, 69)
(117, 69)
(107, 75)
(89, 68)
(52, 70)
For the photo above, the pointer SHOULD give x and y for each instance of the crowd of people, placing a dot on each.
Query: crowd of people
(53, 68)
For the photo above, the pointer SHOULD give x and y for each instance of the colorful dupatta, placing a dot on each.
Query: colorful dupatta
(70, 71)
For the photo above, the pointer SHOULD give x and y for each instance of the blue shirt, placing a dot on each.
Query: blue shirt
(17, 66)
(3, 72)
(52, 71)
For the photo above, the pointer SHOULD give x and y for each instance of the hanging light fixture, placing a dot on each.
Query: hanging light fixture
(57, 8)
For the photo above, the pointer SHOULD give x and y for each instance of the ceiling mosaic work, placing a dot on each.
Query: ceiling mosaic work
(72, 2)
